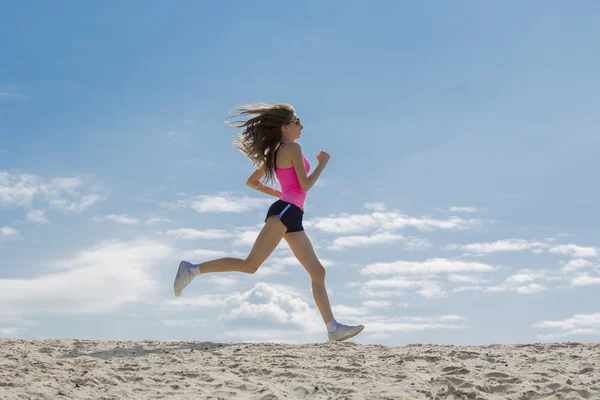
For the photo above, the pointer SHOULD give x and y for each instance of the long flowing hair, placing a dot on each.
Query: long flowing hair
(261, 133)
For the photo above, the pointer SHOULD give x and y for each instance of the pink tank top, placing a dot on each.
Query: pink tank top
(290, 185)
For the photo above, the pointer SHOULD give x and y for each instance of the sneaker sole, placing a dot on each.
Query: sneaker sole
(350, 336)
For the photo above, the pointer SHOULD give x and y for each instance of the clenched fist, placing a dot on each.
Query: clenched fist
(323, 157)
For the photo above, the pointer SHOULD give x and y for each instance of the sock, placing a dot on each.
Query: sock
(195, 269)
(332, 326)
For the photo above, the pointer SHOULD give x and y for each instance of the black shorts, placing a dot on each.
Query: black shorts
(288, 213)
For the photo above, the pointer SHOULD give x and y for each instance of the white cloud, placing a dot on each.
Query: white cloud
(426, 288)
(430, 289)
(529, 289)
(501, 246)
(579, 324)
(507, 245)
(18, 190)
(521, 282)
(63, 194)
(224, 203)
(95, 280)
(385, 221)
(523, 277)
(222, 281)
(37, 216)
(415, 244)
(462, 209)
(272, 305)
(576, 264)
(585, 280)
(431, 266)
(199, 234)
(119, 218)
(9, 233)
(460, 289)
(466, 279)
(574, 250)
(343, 242)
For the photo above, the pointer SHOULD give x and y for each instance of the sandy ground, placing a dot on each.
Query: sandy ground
(77, 369)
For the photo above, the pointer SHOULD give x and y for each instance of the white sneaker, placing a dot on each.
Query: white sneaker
(344, 332)
(183, 278)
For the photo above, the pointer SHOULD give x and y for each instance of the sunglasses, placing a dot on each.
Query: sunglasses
(297, 122)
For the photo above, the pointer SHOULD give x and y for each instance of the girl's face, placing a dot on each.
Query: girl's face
(293, 128)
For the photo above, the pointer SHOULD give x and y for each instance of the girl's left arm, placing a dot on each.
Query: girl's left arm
(255, 183)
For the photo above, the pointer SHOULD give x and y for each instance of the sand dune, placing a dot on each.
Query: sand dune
(48, 369)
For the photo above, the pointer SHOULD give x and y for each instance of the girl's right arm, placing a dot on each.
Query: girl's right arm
(306, 182)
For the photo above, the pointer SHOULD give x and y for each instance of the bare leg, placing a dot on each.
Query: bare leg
(267, 240)
(305, 253)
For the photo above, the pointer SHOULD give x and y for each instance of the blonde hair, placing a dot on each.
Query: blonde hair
(261, 132)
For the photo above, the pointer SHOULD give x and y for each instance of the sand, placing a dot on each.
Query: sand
(78, 369)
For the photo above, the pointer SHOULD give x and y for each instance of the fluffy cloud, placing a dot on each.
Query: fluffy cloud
(385, 221)
(431, 266)
(575, 251)
(576, 264)
(521, 282)
(63, 194)
(427, 288)
(343, 242)
(585, 280)
(508, 245)
(224, 203)
(119, 218)
(37, 216)
(6, 232)
(94, 280)
(271, 307)
(501, 246)
(579, 324)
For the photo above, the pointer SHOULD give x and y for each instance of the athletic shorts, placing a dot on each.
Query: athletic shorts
(288, 213)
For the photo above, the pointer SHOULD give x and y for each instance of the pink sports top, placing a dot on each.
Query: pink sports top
(290, 185)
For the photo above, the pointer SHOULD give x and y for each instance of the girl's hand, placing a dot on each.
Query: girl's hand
(323, 157)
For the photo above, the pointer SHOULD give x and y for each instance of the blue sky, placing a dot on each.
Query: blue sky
(459, 206)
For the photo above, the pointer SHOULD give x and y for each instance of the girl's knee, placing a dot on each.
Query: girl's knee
(250, 266)
(318, 274)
